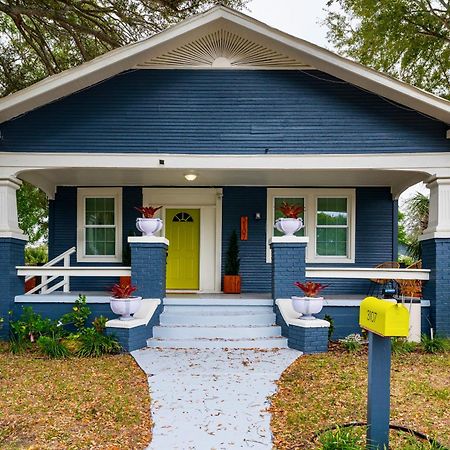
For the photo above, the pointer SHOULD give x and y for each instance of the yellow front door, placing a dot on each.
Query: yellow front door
(183, 233)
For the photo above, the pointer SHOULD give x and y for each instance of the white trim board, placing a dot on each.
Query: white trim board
(209, 201)
(220, 17)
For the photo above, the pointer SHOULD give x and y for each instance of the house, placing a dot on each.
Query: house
(217, 118)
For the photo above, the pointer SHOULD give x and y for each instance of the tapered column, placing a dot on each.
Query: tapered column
(12, 244)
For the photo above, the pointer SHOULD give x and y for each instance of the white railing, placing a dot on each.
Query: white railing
(49, 273)
(368, 273)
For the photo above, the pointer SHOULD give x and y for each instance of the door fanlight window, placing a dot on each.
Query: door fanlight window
(182, 217)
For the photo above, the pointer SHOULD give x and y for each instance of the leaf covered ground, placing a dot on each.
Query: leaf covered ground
(319, 391)
(76, 403)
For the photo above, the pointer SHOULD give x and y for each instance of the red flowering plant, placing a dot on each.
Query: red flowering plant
(291, 210)
(310, 288)
(123, 291)
(148, 211)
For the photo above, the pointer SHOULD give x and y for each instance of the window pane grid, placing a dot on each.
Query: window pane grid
(100, 228)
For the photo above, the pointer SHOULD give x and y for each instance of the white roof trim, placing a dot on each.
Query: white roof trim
(127, 57)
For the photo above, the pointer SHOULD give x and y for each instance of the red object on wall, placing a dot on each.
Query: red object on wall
(30, 284)
(244, 228)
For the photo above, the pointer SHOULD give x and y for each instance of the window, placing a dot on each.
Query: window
(99, 225)
(329, 221)
(332, 227)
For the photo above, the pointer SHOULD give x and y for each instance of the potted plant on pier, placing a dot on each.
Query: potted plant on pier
(232, 279)
(122, 301)
(291, 222)
(310, 303)
(149, 225)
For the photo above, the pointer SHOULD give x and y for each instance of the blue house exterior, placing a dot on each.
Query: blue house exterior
(289, 122)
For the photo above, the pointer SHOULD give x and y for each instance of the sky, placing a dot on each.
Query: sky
(303, 18)
(300, 18)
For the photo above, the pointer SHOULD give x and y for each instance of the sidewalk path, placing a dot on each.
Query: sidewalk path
(212, 399)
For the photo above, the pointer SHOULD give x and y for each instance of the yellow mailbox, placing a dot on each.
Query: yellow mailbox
(384, 317)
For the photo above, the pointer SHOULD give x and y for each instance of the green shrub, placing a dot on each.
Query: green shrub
(352, 343)
(52, 347)
(400, 346)
(79, 314)
(99, 324)
(35, 256)
(436, 344)
(414, 444)
(342, 439)
(331, 328)
(97, 344)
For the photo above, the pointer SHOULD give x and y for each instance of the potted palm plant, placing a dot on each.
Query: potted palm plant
(310, 303)
(232, 279)
(291, 222)
(149, 225)
(122, 301)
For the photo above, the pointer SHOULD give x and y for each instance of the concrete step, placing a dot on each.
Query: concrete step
(262, 343)
(193, 332)
(218, 309)
(208, 318)
(219, 301)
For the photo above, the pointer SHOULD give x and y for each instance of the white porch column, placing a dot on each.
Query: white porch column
(439, 216)
(9, 225)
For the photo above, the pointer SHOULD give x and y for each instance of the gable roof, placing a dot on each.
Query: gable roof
(264, 47)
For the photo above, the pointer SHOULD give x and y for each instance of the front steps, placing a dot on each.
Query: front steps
(217, 323)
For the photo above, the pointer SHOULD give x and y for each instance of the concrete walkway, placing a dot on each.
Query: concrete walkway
(212, 399)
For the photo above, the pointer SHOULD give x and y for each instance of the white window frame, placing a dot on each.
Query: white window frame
(82, 195)
(311, 196)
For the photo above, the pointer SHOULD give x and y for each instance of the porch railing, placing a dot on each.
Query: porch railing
(49, 273)
(368, 273)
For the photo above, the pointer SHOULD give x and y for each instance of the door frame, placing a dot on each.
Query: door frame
(209, 202)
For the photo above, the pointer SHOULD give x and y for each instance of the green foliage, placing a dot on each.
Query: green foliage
(30, 326)
(408, 39)
(93, 343)
(32, 205)
(35, 256)
(352, 343)
(328, 318)
(99, 324)
(233, 262)
(341, 439)
(79, 314)
(413, 444)
(436, 344)
(44, 37)
(400, 346)
(53, 347)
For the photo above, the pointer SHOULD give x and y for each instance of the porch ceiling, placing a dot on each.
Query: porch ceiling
(48, 179)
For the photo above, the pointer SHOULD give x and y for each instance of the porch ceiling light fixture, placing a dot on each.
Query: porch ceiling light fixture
(190, 176)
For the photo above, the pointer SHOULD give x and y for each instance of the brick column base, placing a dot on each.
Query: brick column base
(148, 265)
(436, 257)
(12, 255)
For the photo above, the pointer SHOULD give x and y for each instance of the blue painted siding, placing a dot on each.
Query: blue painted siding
(63, 232)
(374, 241)
(246, 201)
(223, 111)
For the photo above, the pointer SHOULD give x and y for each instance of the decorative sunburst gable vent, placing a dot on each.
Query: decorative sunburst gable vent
(223, 49)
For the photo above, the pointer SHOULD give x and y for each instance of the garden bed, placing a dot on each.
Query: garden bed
(320, 391)
(76, 403)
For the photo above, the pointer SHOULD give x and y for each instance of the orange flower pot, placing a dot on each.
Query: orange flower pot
(232, 284)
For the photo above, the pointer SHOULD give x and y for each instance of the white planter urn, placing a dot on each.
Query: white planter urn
(149, 226)
(288, 226)
(307, 306)
(125, 307)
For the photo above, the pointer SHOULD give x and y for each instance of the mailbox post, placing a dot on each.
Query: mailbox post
(383, 319)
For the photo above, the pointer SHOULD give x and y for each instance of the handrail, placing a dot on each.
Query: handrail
(368, 273)
(45, 281)
(74, 271)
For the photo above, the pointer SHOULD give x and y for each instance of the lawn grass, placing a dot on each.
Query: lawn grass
(76, 403)
(319, 391)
